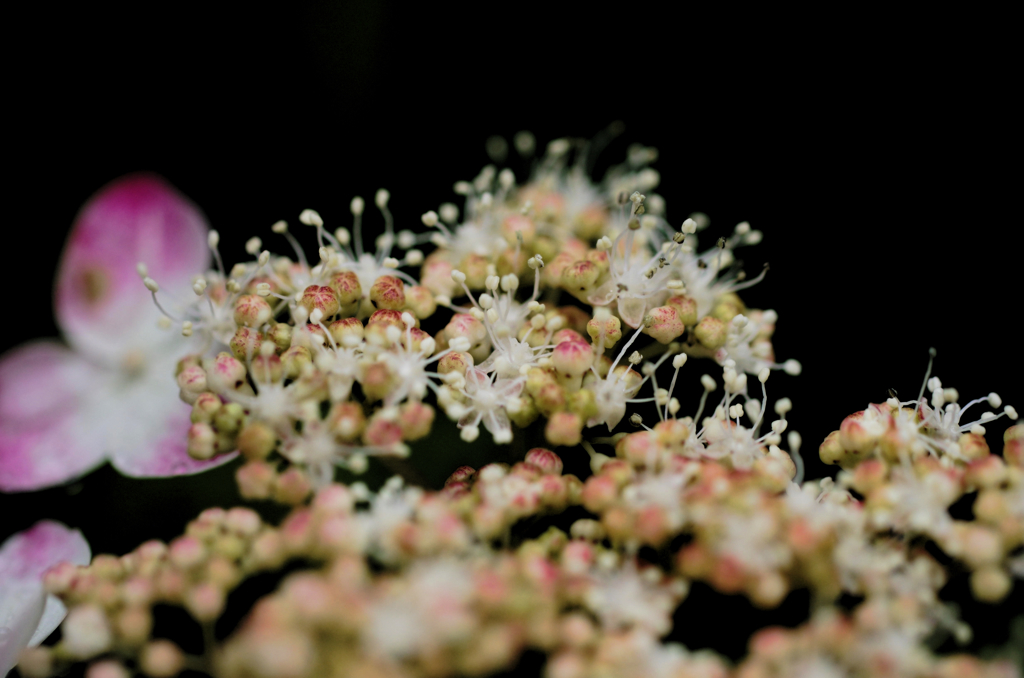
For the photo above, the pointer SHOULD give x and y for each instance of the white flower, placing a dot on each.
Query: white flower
(488, 401)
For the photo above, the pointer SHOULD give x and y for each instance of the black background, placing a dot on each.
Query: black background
(877, 153)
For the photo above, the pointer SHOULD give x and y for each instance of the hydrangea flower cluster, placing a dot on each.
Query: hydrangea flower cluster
(558, 310)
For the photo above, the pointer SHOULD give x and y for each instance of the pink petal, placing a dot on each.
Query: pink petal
(39, 379)
(164, 450)
(27, 614)
(43, 431)
(98, 293)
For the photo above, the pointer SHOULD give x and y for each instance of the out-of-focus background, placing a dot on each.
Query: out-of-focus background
(876, 153)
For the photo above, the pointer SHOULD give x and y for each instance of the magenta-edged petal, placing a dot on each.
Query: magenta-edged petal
(27, 614)
(156, 444)
(44, 433)
(98, 295)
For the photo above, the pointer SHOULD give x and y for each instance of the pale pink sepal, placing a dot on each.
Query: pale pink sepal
(27, 614)
(164, 452)
(43, 432)
(98, 293)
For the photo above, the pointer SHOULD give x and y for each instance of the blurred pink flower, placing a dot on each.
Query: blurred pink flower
(27, 614)
(112, 394)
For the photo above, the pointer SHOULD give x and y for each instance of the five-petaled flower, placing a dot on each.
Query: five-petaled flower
(64, 410)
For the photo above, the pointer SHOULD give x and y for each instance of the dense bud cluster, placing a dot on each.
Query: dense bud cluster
(566, 311)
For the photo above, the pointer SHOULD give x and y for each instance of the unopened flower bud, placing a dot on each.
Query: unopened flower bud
(388, 292)
(665, 325)
(226, 373)
(255, 480)
(546, 460)
(320, 297)
(202, 441)
(711, 332)
(162, 659)
(573, 358)
(246, 343)
(86, 632)
(292, 487)
(252, 310)
(564, 428)
(192, 381)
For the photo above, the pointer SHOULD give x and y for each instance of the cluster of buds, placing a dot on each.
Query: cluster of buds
(557, 309)
(111, 602)
(327, 363)
(862, 644)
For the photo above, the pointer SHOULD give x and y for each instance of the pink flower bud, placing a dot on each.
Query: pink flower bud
(456, 490)
(859, 432)
(187, 552)
(454, 362)
(388, 292)
(245, 344)
(463, 474)
(515, 226)
(108, 668)
(420, 301)
(415, 420)
(665, 325)
(640, 449)
(334, 499)
(868, 475)
(255, 480)
(436, 275)
(346, 330)
(204, 601)
(564, 428)
(347, 289)
(711, 332)
(554, 491)
(573, 358)
(973, 446)
(162, 659)
(252, 311)
(243, 521)
(1013, 451)
(86, 632)
(58, 579)
(578, 278)
(607, 331)
(205, 408)
(292, 487)
(294, 359)
(988, 471)
(202, 441)
(831, 449)
(226, 374)
(322, 298)
(546, 460)
(577, 557)
(567, 334)
(382, 432)
(465, 325)
(599, 492)
(377, 381)
(192, 382)
(134, 623)
(652, 526)
(686, 309)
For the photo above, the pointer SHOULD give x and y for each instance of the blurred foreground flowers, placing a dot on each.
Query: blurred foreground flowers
(553, 311)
